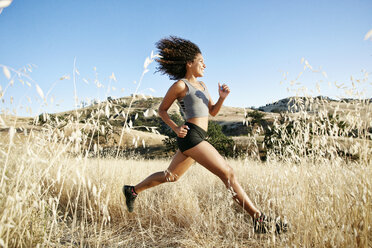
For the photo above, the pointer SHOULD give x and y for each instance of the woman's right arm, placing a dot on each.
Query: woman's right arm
(177, 90)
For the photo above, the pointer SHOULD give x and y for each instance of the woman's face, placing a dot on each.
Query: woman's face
(197, 66)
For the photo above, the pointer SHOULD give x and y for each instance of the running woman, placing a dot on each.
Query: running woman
(182, 61)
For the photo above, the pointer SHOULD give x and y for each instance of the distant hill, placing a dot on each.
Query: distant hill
(143, 110)
(293, 104)
(286, 104)
(103, 122)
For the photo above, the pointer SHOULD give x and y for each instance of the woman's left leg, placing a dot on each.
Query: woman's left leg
(206, 155)
(179, 165)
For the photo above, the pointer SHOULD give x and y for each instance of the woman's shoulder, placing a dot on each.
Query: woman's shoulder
(178, 88)
(180, 84)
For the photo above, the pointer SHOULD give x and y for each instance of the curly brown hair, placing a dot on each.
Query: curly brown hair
(175, 52)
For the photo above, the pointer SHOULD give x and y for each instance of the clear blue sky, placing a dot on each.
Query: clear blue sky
(246, 44)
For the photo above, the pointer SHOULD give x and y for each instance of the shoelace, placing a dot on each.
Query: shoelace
(133, 193)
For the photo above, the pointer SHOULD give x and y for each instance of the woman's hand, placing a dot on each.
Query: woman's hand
(223, 90)
(181, 131)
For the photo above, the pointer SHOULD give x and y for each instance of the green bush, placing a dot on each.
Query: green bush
(256, 116)
(223, 144)
(294, 137)
(257, 121)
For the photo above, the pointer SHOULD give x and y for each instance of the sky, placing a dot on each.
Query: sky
(256, 47)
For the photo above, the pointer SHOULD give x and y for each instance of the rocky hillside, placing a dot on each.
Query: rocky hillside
(102, 123)
(293, 104)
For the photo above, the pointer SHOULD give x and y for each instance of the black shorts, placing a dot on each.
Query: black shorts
(193, 137)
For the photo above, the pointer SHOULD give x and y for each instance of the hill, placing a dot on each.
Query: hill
(103, 125)
(311, 104)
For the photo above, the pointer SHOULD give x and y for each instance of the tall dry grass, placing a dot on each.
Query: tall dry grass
(52, 194)
(52, 199)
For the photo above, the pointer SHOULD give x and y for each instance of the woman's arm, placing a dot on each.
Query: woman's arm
(177, 90)
(223, 92)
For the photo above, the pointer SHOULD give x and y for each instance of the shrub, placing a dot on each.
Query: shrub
(223, 144)
(256, 123)
(256, 116)
(320, 136)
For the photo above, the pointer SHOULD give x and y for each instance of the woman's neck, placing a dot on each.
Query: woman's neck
(191, 78)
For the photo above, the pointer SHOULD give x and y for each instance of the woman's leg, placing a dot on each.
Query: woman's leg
(179, 165)
(206, 155)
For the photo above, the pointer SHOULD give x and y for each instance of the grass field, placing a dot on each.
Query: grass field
(53, 199)
(56, 190)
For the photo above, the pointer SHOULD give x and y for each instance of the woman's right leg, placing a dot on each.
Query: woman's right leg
(179, 165)
(206, 155)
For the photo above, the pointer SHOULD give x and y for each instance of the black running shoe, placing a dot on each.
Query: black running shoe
(264, 224)
(130, 196)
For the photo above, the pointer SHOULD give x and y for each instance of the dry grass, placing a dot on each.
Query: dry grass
(53, 195)
(52, 199)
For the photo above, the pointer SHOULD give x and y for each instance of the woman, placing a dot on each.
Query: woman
(182, 60)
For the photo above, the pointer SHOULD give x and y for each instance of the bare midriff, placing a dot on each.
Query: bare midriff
(200, 121)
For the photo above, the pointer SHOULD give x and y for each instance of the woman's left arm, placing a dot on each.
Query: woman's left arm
(223, 91)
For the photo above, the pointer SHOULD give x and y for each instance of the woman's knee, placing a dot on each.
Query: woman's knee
(170, 177)
(228, 176)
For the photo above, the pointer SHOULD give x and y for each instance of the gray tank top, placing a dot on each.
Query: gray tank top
(195, 102)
